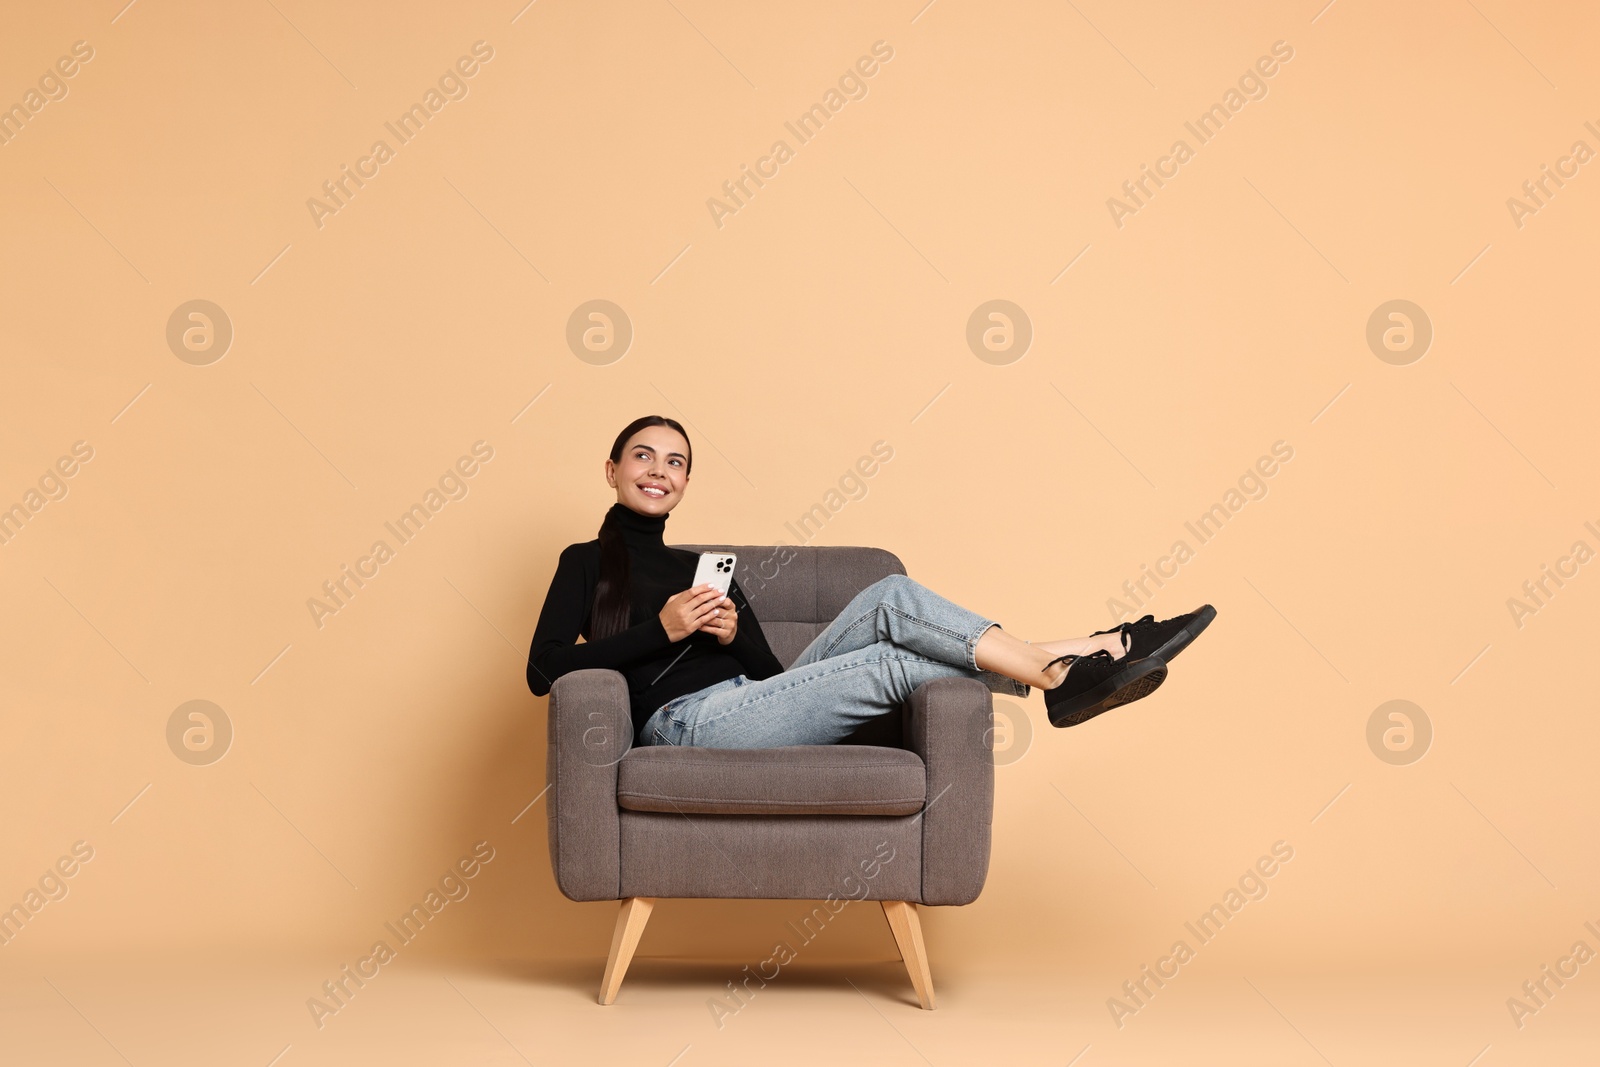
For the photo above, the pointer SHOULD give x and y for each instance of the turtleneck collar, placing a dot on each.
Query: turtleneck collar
(637, 526)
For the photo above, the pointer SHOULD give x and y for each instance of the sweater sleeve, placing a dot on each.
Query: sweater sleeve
(749, 645)
(555, 650)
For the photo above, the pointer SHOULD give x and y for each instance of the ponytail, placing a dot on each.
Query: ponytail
(612, 601)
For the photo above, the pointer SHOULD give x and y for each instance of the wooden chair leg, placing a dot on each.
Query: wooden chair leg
(907, 928)
(624, 939)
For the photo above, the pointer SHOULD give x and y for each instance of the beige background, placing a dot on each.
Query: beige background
(1230, 312)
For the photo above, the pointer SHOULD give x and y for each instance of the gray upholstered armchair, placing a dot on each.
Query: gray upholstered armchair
(899, 814)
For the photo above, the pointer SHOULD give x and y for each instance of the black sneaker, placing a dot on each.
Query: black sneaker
(1146, 637)
(1096, 683)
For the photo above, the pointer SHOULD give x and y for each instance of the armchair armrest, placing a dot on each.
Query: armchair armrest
(947, 722)
(591, 729)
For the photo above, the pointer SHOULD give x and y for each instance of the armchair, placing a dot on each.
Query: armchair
(899, 813)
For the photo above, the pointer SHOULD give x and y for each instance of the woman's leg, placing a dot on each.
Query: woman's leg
(817, 703)
(1011, 656)
(899, 609)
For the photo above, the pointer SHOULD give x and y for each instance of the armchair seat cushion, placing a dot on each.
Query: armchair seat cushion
(792, 780)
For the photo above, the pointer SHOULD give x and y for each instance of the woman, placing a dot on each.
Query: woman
(700, 672)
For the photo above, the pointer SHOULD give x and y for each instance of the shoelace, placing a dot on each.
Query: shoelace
(1070, 658)
(1132, 630)
(1141, 626)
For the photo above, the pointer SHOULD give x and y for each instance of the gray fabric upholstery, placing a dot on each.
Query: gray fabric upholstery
(805, 822)
(947, 723)
(591, 728)
(793, 780)
(786, 856)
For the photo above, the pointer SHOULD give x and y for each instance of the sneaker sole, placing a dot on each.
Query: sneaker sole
(1132, 683)
(1185, 637)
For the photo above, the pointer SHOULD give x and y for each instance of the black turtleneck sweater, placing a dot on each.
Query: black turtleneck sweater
(657, 668)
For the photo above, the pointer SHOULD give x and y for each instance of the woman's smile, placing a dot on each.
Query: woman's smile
(653, 472)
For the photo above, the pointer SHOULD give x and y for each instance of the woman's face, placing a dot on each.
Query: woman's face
(656, 458)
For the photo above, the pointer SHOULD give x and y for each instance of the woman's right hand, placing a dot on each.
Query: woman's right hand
(684, 612)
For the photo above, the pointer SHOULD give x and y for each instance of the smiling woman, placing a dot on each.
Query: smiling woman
(629, 595)
(650, 478)
(699, 670)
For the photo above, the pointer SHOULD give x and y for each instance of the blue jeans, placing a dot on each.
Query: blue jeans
(893, 636)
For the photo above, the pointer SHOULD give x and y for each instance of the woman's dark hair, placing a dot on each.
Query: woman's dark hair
(612, 598)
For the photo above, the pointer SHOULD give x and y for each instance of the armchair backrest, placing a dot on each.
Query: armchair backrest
(796, 591)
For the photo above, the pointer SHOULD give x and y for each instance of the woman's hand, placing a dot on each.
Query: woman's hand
(688, 611)
(724, 621)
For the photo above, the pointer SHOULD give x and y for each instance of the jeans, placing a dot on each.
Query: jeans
(893, 636)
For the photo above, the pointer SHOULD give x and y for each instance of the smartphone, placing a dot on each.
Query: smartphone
(715, 568)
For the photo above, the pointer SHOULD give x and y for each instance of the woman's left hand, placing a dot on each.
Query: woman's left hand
(724, 623)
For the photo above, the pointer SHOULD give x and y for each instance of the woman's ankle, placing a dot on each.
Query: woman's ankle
(1054, 674)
